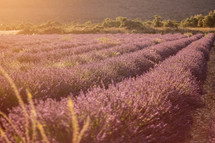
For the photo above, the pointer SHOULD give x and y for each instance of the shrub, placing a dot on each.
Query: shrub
(190, 22)
(200, 18)
(122, 21)
(209, 20)
(52, 30)
(170, 23)
(200, 21)
(147, 23)
(157, 21)
(130, 24)
(50, 24)
(88, 23)
(110, 23)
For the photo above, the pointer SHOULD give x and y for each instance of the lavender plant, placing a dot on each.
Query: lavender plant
(58, 82)
(153, 107)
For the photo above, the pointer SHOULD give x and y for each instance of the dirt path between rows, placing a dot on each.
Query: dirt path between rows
(203, 128)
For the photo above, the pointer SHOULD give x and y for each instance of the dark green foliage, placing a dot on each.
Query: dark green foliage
(190, 22)
(88, 23)
(147, 23)
(110, 23)
(200, 18)
(170, 23)
(157, 22)
(118, 25)
(52, 30)
(200, 21)
(121, 22)
(131, 24)
(49, 24)
(209, 20)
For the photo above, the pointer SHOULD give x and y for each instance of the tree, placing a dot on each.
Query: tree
(208, 21)
(157, 21)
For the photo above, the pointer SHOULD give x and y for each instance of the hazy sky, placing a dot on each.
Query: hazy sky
(97, 10)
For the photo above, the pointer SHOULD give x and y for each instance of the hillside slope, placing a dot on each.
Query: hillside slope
(97, 10)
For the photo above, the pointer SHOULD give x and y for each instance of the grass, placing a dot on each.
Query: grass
(77, 134)
(33, 119)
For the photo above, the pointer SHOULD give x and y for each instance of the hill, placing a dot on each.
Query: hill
(97, 10)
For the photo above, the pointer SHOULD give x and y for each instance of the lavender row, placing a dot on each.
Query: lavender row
(83, 54)
(154, 107)
(55, 55)
(51, 52)
(53, 42)
(57, 82)
(95, 55)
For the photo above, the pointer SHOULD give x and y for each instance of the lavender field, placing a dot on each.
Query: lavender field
(101, 88)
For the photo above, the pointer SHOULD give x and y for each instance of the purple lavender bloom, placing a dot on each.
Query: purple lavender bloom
(153, 107)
